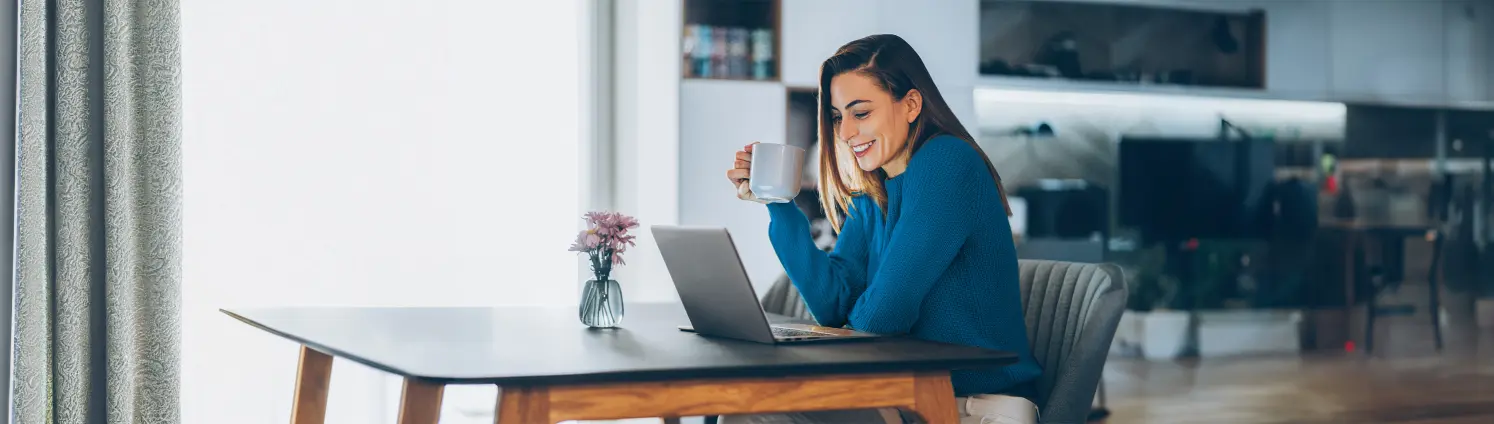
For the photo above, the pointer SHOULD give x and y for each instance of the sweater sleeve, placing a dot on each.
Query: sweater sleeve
(938, 211)
(828, 282)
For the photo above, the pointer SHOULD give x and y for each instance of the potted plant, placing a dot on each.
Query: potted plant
(604, 241)
(1165, 328)
(1154, 324)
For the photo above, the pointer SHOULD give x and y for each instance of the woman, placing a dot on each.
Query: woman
(925, 248)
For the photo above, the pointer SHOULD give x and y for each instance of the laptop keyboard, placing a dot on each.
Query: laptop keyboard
(780, 332)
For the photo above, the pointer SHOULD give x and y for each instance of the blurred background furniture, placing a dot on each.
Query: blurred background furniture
(1374, 262)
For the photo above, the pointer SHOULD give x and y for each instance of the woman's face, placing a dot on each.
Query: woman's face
(868, 121)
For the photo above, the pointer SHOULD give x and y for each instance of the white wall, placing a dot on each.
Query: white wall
(1298, 54)
(946, 35)
(1468, 45)
(362, 152)
(812, 30)
(647, 150)
(1390, 50)
(1485, 47)
(718, 118)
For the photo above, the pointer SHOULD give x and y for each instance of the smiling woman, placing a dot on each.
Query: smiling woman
(889, 96)
(912, 197)
(874, 125)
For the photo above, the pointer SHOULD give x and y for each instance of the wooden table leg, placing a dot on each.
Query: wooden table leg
(523, 405)
(1351, 247)
(313, 376)
(420, 402)
(933, 398)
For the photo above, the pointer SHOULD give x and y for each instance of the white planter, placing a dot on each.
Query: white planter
(1484, 309)
(1127, 341)
(1248, 332)
(1164, 334)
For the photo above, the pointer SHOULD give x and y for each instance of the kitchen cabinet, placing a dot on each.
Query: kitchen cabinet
(718, 118)
(1470, 49)
(1433, 53)
(1298, 54)
(812, 30)
(1297, 59)
(1388, 51)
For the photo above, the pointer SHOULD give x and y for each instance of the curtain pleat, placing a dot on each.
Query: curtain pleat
(98, 214)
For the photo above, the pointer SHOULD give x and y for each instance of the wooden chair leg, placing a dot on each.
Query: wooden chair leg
(420, 402)
(523, 405)
(933, 398)
(313, 377)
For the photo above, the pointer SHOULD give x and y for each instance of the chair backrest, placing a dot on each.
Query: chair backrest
(783, 299)
(1072, 310)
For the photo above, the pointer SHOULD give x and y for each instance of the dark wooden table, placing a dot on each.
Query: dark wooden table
(550, 368)
(1371, 236)
(1374, 237)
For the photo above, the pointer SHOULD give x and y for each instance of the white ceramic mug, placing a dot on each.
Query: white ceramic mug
(776, 172)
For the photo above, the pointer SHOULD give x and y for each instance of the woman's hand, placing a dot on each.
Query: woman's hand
(740, 172)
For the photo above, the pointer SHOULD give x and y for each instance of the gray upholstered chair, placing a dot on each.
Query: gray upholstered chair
(783, 299)
(1072, 310)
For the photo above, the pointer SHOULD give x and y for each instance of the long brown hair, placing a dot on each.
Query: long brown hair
(896, 68)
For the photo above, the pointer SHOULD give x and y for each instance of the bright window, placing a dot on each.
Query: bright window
(369, 152)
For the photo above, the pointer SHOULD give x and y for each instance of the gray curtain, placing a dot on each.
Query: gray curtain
(97, 289)
(7, 178)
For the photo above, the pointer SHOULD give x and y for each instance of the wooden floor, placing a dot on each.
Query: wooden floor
(1409, 386)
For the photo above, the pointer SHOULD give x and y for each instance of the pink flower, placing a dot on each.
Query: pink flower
(580, 244)
(606, 236)
(592, 241)
(625, 221)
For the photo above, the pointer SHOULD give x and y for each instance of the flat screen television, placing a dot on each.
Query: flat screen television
(1175, 189)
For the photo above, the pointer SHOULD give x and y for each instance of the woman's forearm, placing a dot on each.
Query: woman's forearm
(828, 282)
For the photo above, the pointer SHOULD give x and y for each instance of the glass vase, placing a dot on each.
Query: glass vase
(601, 304)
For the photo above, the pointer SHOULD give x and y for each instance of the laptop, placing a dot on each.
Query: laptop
(719, 298)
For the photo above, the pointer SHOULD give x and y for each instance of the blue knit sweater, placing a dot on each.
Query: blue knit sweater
(938, 265)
